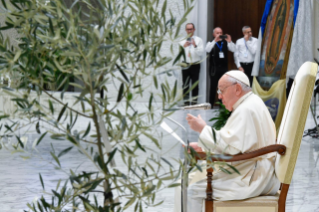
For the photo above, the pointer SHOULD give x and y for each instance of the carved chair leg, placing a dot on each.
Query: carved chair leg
(282, 197)
(209, 204)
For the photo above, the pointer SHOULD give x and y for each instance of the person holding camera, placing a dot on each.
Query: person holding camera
(194, 50)
(218, 59)
(244, 56)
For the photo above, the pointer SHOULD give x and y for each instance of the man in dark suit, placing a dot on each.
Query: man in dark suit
(218, 59)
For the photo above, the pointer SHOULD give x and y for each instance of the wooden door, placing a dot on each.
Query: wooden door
(232, 15)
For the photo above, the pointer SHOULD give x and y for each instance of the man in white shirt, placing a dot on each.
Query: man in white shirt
(244, 56)
(194, 50)
(218, 59)
(248, 128)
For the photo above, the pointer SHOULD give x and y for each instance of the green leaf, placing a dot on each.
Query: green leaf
(74, 3)
(180, 54)
(45, 204)
(175, 89)
(173, 185)
(39, 206)
(233, 168)
(88, 129)
(150, 102)
(149, 190)
(221, 118)
(225, 170)
(56, 194)
(51, 107)
(159, 184)
(198, 167)
(62, 112)
(37, 127)
(58, 137)
(120, 94)
(163, 92)
(129, 203)
(17, 55)
(8, 26)
(166, 161)
(152, 139)
(155, 81)
(51, 26)
(4, 117)
(139, 145)
(41, 137)
(122, 72)
(145, 171)
(20, 142)
(71, 138)
(111, 156)
(4, 4)
(214, 135)
(164, 8)
(161, 202)
(55, 158)
(41, 180)
(93, 185)
(65, 151)
(14, 4)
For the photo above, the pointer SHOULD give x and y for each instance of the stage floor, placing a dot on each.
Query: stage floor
(19, 179)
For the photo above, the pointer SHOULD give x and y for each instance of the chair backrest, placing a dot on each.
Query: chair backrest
(294, 120)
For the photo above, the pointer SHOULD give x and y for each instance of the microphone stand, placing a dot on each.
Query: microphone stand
(184, 184)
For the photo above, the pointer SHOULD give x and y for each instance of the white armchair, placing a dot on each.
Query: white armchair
(287, 147)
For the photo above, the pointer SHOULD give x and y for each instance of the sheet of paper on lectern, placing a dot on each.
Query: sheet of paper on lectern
(171, 132)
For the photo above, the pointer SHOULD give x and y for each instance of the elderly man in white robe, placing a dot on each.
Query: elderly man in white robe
(248, 128)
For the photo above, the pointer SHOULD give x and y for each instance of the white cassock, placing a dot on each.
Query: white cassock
(249, 127)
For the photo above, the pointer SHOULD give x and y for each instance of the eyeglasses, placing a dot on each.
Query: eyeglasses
(221, 92)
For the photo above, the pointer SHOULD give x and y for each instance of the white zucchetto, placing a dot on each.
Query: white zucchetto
(239, 75)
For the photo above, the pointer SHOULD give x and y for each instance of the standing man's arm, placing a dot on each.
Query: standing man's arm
(231, 45)
(199, 47)
(252, 45)
(210, 46)
(236, 57)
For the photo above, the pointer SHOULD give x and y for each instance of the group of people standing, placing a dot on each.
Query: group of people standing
(244, 53)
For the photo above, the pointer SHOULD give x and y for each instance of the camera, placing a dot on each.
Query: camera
(223, 36)
(189, 39)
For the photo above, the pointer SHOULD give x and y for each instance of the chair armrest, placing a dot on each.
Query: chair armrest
(279, 148)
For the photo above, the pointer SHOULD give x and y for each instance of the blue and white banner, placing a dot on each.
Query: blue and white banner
(278, 17)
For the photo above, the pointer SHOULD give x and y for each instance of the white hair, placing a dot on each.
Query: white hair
(245, 27)
(243, 86)
(216, 28)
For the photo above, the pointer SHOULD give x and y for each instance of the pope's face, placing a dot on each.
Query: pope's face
(227, 92)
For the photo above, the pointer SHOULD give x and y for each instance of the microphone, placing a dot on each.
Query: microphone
(203, 106)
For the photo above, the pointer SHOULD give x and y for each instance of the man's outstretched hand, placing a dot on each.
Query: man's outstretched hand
(196, 123)
(195, 146)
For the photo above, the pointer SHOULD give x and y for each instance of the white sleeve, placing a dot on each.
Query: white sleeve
(231, 46)
(199, 50)
(252, 46)
(207, 143)
(236, 55)
(237, 136)
(209, 46)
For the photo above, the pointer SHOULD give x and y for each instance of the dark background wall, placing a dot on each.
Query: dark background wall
(232, 15)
